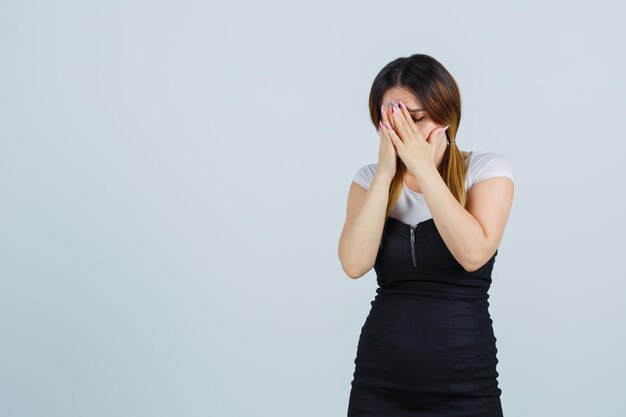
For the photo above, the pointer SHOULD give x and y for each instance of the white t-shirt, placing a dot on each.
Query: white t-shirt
(411, 207)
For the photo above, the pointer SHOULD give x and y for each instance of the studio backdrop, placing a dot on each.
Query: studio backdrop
(174, 180)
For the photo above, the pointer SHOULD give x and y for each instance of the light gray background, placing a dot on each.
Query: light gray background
(173, 180)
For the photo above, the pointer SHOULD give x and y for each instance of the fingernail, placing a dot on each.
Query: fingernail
(445, 128)
(401, 104)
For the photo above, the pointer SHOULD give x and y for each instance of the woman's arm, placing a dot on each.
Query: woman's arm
(363, 228)
(472, 235)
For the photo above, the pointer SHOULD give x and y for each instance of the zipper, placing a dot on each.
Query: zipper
(413, 245)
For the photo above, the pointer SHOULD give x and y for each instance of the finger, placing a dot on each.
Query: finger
(384, 114)
(407, 116)
(395, 139)
(386, 133)
(401, 126)
(390, 118)
(387, 124)
(435, 132)
(388, 111)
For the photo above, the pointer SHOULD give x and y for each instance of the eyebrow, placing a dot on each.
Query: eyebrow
(414, 110)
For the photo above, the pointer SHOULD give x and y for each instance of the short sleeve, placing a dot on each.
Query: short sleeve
(364, 175)
(489, 165)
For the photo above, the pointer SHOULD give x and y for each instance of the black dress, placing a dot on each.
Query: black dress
(427, 347)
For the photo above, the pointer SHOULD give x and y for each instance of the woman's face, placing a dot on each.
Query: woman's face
(420, 117)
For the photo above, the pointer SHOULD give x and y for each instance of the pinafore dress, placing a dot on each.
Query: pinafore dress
(427, 347)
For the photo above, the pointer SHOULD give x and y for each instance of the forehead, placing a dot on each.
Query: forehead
(401, 94)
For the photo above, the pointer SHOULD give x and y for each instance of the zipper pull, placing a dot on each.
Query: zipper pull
(413, 245)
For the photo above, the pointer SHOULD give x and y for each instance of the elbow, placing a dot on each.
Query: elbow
(353, 272)
(473, 264)
(475, 258)
(349, 266)
(470, 267)
(470, 262)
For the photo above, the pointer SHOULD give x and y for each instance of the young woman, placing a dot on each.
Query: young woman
(428, 218)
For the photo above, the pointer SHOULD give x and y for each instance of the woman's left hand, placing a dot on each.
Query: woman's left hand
(416, 152)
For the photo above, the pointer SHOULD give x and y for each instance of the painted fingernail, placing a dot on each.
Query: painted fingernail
(401, 104)
(445, 128)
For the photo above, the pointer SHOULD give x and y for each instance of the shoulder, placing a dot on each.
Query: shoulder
(486, 164)
(364, 175)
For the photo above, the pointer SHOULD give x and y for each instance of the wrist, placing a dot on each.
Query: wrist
(382, 178)
(425, 174)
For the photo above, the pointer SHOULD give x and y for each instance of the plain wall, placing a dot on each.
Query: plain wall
(173, 181)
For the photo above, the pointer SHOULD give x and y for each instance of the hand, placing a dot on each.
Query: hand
(387, 153)
(416, 152)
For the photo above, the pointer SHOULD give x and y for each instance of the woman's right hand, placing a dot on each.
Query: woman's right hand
(387, 153)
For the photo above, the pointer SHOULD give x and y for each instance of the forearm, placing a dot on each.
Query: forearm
(361, 238)
(461, 232)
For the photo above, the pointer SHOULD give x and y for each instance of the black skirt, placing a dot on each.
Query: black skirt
(427, 347)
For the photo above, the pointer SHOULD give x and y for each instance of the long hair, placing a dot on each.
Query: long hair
(439, 95)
